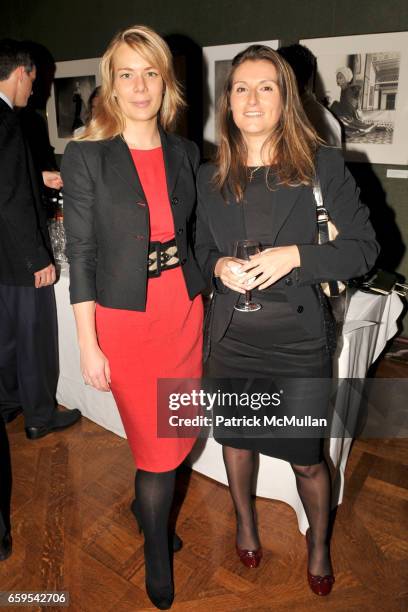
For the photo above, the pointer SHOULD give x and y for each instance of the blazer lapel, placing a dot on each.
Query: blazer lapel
(121, 160)
(288, 198)
(173, 156)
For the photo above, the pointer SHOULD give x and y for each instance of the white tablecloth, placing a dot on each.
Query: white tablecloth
(371, 321)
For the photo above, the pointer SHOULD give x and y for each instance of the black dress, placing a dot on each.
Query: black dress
(268, 351)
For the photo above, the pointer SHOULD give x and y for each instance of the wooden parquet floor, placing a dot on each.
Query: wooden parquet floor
(73, 531)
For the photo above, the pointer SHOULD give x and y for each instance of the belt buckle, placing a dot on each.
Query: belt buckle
(153, 273)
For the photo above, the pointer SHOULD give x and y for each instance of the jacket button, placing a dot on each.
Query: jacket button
(175, 201)
(288, 281)
(180, 230)
(300, 309)
(139, 237)
(183, 261)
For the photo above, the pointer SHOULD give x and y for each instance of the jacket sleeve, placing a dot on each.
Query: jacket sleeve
(17, 200)
(355, 250)
(79, 201)
(206, 250)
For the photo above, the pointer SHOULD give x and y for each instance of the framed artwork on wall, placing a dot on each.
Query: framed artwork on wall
(217, 62)
(67, 107)
(363, 80)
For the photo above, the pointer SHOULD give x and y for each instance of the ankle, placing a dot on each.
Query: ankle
(317, 541)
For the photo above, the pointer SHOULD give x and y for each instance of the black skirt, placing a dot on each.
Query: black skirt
(268, 352)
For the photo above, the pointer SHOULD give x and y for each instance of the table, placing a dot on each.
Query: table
(371, 321)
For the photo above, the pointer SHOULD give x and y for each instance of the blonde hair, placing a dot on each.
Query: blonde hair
(109, 121)
(293, 142)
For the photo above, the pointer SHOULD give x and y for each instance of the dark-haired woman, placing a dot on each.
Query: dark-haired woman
(260, 188)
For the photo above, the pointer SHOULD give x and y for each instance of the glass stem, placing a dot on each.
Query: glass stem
(247, 298)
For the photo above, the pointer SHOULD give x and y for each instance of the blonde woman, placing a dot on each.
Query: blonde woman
(129, 188)
(260, 188)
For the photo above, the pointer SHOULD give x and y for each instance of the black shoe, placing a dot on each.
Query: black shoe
(177, 541)
(12, 414)
(162, 598)
(5, 547)
(60, 420)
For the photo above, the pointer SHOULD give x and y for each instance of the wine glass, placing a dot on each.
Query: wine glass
(243, 249)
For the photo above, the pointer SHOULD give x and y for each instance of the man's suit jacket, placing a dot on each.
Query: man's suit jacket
(24, 239)
(353, 253)
(106, 219)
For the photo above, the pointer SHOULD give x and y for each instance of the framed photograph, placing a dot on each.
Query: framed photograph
(67, 107)
(217, 62)
(363, 81)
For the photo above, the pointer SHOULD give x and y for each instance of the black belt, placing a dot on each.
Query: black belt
(162, 256)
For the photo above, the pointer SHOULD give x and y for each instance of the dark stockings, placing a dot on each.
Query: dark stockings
(239, 464)
(154, 496)
(313, 485)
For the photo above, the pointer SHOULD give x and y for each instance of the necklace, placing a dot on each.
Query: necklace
(252, 172)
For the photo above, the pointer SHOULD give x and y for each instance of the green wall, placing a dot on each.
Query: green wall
(80, 29)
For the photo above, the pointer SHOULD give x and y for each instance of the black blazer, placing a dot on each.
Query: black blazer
(24, 241)
(352, 254)
(107, 222)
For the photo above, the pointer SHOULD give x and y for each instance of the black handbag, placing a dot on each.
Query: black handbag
(327, 231)
(333, 293)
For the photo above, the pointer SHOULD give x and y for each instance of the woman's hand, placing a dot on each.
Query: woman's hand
(95, 368)
(52, 179)
(228, 269)
(45, 277)
(269, 266)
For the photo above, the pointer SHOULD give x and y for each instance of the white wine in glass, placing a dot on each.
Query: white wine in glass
(244, 249)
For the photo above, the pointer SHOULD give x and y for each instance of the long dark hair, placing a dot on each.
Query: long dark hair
(293, 142)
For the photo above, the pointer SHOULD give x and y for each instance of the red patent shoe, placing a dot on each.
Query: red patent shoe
(250, 558)
(320, 585)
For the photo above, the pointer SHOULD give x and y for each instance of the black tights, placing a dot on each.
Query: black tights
(154, 494)
(240, 469)
(313, 485)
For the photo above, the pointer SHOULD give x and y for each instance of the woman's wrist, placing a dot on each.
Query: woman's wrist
(296, 256)
(87, 343)
(217, 266)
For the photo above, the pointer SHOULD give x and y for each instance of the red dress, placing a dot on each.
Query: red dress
(165, 341)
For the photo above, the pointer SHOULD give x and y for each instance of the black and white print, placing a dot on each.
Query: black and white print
(363, 81)
(71, 102)
(67, 106)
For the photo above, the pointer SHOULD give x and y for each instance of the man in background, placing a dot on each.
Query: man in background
(28, 321)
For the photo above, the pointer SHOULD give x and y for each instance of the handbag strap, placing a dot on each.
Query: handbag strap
(322, 218)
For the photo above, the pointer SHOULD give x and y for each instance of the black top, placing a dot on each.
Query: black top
(293, 221)
(261, 198)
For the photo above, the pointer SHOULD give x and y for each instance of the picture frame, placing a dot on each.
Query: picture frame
(216, 63)
(67, 106)
(369, 96)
